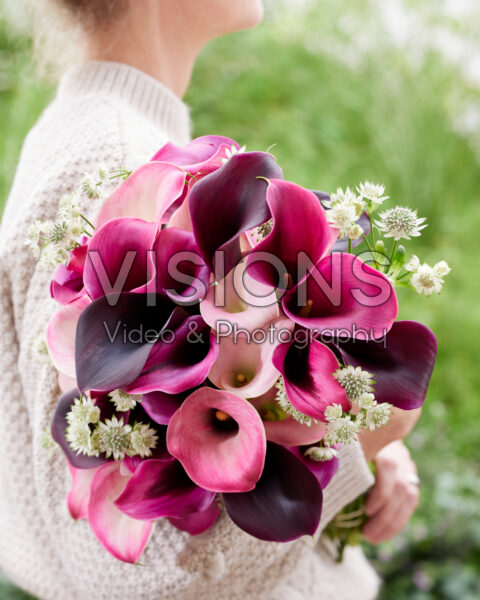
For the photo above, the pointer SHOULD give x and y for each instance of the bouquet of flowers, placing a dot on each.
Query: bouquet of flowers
(221, 332)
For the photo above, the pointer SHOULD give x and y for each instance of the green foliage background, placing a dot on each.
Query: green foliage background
(339, 115)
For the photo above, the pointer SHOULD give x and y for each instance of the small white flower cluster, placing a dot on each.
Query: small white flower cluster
(400, 222)
(229, 152)
(287, 407)
(426, 279)
(87, 435)
(320, 453)
(373, 194)
(52, 242)
(345, 209)
(124, 401)
(355, 381)
(39, 348)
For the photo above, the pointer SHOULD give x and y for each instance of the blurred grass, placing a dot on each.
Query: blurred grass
(336, 122)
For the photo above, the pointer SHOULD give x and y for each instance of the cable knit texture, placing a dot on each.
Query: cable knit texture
(113, 114)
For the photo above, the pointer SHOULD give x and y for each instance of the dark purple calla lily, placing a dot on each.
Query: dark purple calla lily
(161, 407)
(285, 504)
(344, 297)
(161, 488)
(110, 352)
(308, 376)
(58, 428)
(300, 236)
(229, 202)
(324, 471)
(402, 363)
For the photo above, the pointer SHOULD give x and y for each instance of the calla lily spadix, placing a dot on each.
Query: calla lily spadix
(244, 366)
(220, 440)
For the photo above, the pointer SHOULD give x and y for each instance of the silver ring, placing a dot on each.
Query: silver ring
(413, 478)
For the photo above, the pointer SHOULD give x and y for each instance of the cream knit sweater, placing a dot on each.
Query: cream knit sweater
(113, 114)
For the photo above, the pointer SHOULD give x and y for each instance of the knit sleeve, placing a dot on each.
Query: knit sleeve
(352, 479)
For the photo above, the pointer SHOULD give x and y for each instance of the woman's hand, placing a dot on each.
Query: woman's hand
(394, 498)
(401, 424)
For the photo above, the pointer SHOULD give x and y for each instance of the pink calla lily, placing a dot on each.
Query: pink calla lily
(151, 193)
(343, 297)
(220, 440)
(79, 496)
(67, 283)
(284, 429)
(125, 538)
(61, 335)
(197, 522)
(244, 365)
(240, 301)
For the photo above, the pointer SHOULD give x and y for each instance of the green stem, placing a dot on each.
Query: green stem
(394, 247)
(349, 246)
(88, 222)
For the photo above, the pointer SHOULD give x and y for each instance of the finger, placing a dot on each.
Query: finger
(381, 491)
(394, 516)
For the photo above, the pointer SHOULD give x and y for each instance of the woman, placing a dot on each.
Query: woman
(117, 107)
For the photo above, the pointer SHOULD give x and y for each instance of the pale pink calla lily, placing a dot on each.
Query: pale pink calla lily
(125, 538)
(220, 440)
(239, 300)
(61, 335)
(285, 430)
(244, 365)
(79, 496)
(151, 193)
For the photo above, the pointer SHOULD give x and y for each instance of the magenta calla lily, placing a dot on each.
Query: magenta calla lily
(121, 535)
(300, 234)
(67, 283)
(151, 193)
(286, 430)
(344, 297)
(324, 471)
(161, 488)
(219, 455)
(240, 301)
(197, 522)
(308, 376)
(244, 366)
(118, 259)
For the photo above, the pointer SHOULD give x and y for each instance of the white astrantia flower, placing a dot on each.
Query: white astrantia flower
(69, 208)
(35, 237)
(79, 436)
(333, 412)
(413, 263)
(373, 193)
(320, 453)
(90, 188)
(102, 172)
(39, 348)
(113, 438)
(366, 400)
(425, 281)
(342, 217)
(262, 231)
(400, 222)
(377, 416)
(46, 440)
(143, 440)
(229, 152)
(124, 401)
(355, 232)
(284, 403)
(83, 410)
(347, 198)
(441, 269)
(355, 381)
(343, 431)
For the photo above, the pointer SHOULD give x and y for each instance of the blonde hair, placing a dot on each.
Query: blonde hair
(61, 26)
